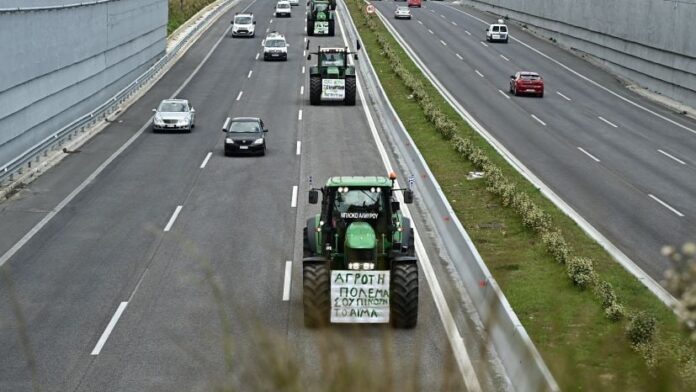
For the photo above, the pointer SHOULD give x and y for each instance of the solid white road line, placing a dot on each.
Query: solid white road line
(227, 123)
(173, 218)
(503, 94)
(460, 353)
(298, 149)
(110, 327)
(504, 58)
(286, 281)
(430, 31)
(672, 157)
(564, 97)
(19, 244)
(585, 78)
(484, 44)
(240, 95)
(607, 121)
(467, 32)
(459, 56)
(299, 115)
(249, 75)
(667, 206)
(293, 202)
(303, 69)
(588, 154)
(539, 120)
(257, 56)
(478, 73)
(443, 42)
(205, 161)
(301, 90)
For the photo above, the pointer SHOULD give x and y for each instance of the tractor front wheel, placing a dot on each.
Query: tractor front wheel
(404, 295)
(315, 90)
(316, 295)
(349, 99)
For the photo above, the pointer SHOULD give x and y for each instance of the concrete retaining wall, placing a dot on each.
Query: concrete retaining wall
(59, 63)
(652, 42)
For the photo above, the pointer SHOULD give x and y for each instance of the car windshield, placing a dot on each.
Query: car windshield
(172, 107)
(503, 29)
(275, 43)
(359, 200)
(329, 59)
(244, 127)
(283, 5)
(321, 7)
(530, 77)
(242, 20)
(401, 8)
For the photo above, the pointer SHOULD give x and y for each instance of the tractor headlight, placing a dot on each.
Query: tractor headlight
(258, 141)
(229, 141)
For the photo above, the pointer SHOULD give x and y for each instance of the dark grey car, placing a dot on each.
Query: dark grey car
(245, 135)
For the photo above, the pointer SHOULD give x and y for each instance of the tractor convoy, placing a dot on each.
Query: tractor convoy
(359, 262)
(332, 79)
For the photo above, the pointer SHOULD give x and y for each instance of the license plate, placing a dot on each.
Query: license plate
(496, 36)
(243, 147)
(529, 90)
(275, 55)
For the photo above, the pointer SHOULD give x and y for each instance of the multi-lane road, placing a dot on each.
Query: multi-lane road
(153, 262)
(625, 164)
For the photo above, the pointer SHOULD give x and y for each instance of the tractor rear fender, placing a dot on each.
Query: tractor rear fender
(404, 260)
(406, 231)
(314, 70)
(314, 260)
(313, 236)
(350, 71)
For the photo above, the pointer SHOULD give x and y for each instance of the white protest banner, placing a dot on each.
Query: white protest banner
(359, 296)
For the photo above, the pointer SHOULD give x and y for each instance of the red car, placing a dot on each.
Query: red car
(414, 3)
(527, 83)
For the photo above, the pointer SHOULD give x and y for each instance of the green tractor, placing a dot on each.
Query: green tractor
(332, 79)
(320, 18)
(359, 263)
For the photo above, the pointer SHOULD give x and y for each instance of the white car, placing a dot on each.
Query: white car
(294, 2)
(497, 32)
(402, 12)
(283, 8)
(244, 25)
(174, 115)
(275, 47)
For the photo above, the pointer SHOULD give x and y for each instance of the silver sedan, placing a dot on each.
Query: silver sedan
(174, 115)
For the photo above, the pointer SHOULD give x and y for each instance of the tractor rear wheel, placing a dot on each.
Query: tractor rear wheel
(315, 90)
(404, 295)
(310, 27)
(349, 98)
(316, 295)
(332, 30)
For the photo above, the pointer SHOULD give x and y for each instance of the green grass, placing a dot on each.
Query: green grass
(583, 349)
(181, 10)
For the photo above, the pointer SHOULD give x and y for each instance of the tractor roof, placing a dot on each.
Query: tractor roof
(332, 50)
(358, 181)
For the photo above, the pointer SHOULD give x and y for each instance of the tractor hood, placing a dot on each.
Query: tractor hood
(360, 235)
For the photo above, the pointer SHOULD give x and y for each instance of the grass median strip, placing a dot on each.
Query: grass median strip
(181, 10)
(596, 326)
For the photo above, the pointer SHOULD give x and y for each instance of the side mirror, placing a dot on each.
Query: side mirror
(486, 28)
(395, 206)
(512, 76)
(231, 22)
(254, 22)
(313, 197)
(265, 129)
(309, 57)
(224, 130)
(307, 45)
(287, 45)
(193, 110)
(154, 110)
(357, 45)
(408, 196)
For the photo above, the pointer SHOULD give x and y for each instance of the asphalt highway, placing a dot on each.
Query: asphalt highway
(177, 268)
(626, 166)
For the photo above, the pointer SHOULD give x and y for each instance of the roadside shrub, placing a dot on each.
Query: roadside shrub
(641, 328)
(581, 271)
(606, 293)
(614, 312)
(556, 245)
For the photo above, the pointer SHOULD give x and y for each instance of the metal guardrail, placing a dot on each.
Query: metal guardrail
(519, 357)
(51, 143)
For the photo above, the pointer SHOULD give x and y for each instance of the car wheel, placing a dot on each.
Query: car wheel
(541, 94)
(506, 40)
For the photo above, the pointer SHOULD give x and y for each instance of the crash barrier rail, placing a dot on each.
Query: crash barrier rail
(33, 155)
(519, 357)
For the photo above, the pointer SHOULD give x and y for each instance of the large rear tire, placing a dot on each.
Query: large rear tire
(315, 90)
(316, 296)
(349, 99)
(310, 27)
(332, 30)
(404, 295)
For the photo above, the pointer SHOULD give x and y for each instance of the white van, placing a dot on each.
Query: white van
(497, 32)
